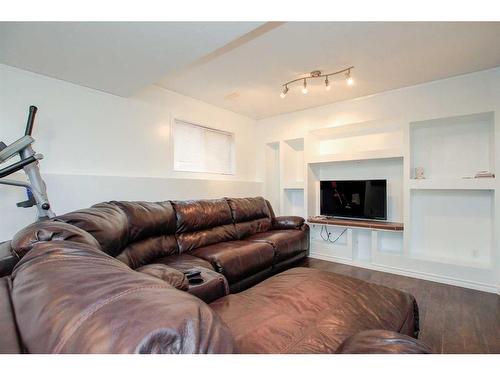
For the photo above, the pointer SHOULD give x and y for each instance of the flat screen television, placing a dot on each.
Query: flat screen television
(360, 199)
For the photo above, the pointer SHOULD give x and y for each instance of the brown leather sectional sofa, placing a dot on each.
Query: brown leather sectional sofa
(111, 279)
(239, 238)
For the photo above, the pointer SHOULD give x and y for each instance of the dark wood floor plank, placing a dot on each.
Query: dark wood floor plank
(452, 319)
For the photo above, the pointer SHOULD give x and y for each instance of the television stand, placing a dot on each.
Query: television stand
(357, 223)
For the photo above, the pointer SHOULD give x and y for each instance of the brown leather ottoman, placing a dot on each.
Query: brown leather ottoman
(304, 310)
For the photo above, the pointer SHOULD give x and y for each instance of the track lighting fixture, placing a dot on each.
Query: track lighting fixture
(318, 74)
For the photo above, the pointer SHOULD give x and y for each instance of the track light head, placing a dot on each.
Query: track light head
(328, 86)
(349, 79)
(284, 92)
(304, 88)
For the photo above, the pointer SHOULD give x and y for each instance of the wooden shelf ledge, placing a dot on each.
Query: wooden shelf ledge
(368, 224)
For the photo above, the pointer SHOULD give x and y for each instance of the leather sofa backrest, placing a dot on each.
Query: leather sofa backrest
(134, 232)
(202, 223)
(137, 233)
(250, 215)
(70, 297)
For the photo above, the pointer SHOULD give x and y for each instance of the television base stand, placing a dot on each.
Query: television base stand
(356, 223)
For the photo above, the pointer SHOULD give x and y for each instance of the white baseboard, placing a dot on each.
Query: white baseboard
(490, 288)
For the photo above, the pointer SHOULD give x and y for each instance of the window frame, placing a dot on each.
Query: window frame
(232, 136)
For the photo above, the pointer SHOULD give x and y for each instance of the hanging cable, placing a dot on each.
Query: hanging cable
(326, 236)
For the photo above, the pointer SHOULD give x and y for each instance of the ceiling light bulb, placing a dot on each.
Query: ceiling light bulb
(283, 92)
(328, 87)
(350, 80)
(304, 89)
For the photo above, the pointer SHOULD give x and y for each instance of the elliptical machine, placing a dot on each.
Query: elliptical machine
(35, 187)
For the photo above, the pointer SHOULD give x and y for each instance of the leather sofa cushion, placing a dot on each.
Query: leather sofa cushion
(105, 221)
(194, 240)
(148, 219)
(170, 275)
(245, 209)
(304, 310)
(251, 215)
(203, 223)
(134, 232)
(194, 216)
(237, 259)
(73, 298)
(286, 243)
(184, 262)
(146, 251)
(248, 228)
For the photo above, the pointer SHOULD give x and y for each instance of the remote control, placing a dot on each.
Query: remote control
(192, 274)
(195, 280)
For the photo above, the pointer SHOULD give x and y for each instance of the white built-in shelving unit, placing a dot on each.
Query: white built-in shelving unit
(292, 176)
(450, 231)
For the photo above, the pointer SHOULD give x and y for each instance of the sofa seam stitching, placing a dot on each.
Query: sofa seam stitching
(96, 307)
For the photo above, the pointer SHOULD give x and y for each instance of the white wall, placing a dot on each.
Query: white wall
(99, 146)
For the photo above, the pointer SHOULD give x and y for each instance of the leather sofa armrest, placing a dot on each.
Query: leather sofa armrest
(49, 231)
(170, 275)
(382, 342)
(214, 286)
(288, 222)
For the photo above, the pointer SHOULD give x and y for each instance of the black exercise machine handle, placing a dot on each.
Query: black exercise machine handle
(31, 120)
(17, 166)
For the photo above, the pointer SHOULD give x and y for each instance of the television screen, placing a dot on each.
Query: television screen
(364, 199)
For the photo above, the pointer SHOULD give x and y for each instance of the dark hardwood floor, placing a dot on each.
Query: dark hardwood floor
(452, 319)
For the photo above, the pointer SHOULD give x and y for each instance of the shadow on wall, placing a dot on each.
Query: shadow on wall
(72, 192)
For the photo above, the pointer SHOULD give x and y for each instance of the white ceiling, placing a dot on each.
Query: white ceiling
(241, 66)
(385, 55)
(116, 57)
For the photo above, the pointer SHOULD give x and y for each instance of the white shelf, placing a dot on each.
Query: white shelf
(453, 146)
(353, 156)
(293, 185)
(453, 184)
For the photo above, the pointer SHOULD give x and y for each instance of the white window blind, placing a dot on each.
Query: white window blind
(201, 149)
